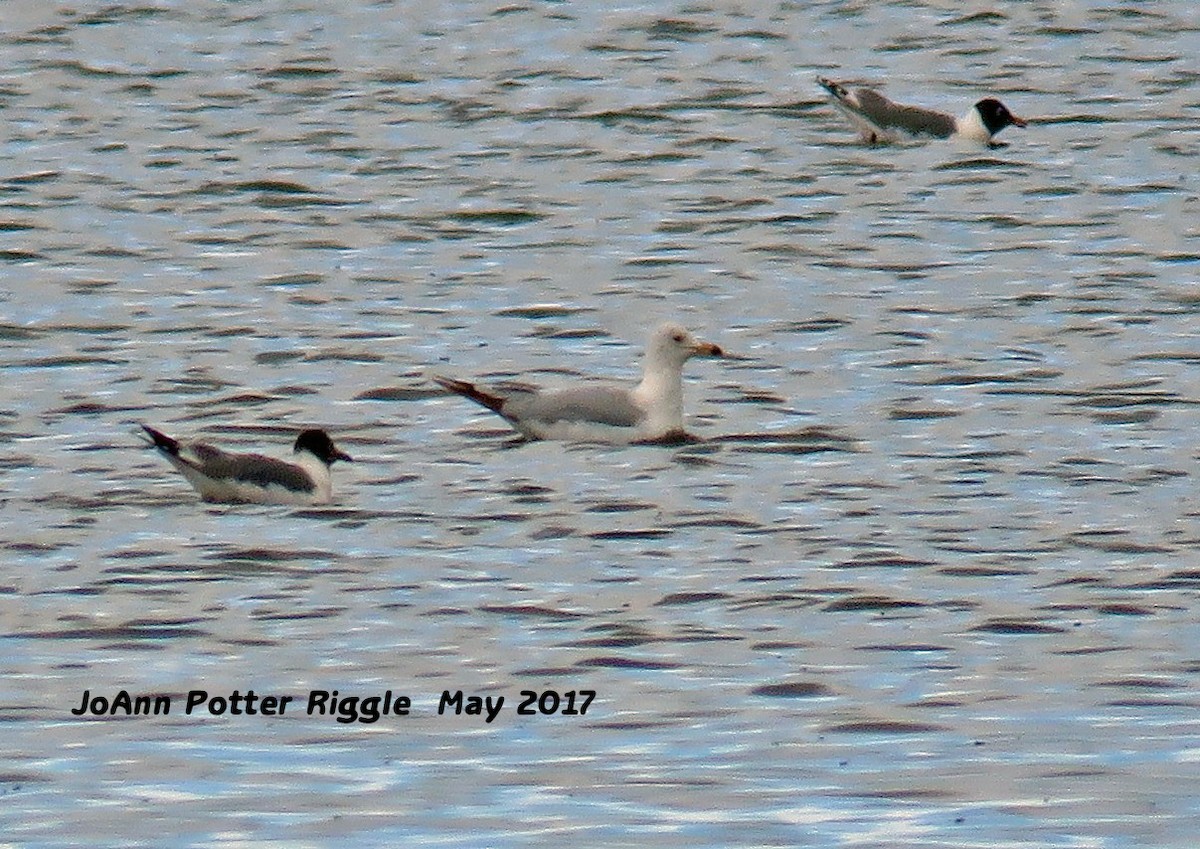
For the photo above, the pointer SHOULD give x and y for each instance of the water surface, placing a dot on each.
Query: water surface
(929, 579)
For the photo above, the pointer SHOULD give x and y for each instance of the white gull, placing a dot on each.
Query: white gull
(223, 476)
(880, 120)
(650, 411)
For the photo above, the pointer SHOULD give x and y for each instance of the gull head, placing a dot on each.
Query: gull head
(995, 115)
(318, 443)
(673, 344)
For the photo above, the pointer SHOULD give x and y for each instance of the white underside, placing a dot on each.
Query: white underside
(659, 396)
(971, 127)
(583, 432)
(231, 490)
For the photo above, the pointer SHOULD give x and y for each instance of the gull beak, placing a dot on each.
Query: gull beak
(707, 349)
(1019, 122)
(343, 456)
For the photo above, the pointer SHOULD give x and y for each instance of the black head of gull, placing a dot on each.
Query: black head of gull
(880, 120)
(650, 411)
(318, 443)
(995, 116)
(223, 476)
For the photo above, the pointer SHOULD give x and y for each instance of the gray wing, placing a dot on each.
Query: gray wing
(888, 115)
(248, 468)
(609, 405)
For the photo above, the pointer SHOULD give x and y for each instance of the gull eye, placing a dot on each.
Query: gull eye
(678, 337)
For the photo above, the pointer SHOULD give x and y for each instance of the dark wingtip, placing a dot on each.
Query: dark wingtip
(459, 387)
(469, 390)
(161, 441)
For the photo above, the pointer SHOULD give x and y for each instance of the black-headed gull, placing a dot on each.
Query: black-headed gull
(879, 120)
(252, 478)
(650, 411)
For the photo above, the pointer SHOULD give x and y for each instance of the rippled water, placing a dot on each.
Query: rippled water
(930, 579)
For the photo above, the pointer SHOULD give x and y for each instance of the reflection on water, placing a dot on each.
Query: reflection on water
(929, 573)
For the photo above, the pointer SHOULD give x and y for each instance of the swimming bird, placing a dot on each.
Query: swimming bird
(220, 475)
(879, 120)
(650, 411)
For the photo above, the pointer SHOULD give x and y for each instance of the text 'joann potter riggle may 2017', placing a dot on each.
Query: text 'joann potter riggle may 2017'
(330, 703)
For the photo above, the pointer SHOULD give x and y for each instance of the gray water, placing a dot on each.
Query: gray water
(929, 579)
